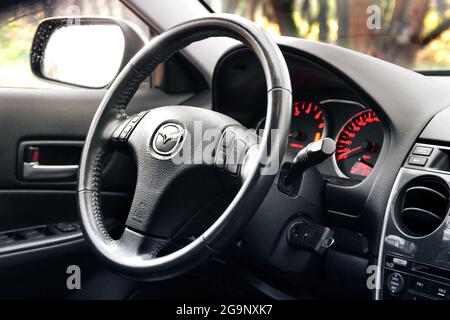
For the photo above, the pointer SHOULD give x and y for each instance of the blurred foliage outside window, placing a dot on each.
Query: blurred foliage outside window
(18, 24)
(411, 33)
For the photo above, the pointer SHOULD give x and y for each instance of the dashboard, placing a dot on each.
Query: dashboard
(384, 193)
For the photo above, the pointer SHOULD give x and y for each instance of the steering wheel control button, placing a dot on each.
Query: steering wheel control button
(230, 153)
(221, 159)
(116, 135)
(135, 119)
(228, 139)
(418, 161)
(395, 283)
(123, 132)
(236, 156)
(304, 235)
(423, 151)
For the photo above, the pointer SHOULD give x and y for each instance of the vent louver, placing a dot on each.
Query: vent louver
(424, 206)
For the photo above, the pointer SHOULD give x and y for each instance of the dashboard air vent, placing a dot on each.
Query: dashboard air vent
(424, 206)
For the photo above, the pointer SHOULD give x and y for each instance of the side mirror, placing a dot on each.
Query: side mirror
(83, 51)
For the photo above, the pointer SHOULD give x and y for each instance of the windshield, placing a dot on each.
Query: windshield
(411, 33)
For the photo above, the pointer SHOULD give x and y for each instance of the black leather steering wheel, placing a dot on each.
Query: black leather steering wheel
(157, 136)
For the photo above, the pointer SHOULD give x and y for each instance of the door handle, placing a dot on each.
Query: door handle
(51, 161)
(35, 171)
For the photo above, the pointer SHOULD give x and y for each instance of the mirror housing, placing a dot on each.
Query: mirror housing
(87, 52)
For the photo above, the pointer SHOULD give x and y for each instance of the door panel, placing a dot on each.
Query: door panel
(56, 115)
(45, 114)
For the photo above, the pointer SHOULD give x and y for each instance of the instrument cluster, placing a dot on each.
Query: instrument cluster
(356, 128)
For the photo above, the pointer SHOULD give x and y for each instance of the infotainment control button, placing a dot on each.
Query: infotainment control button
(395, 283)
(419, 285)
(400, 262)
(440, 291)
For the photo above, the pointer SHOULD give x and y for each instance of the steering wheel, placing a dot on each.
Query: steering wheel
(158, 139)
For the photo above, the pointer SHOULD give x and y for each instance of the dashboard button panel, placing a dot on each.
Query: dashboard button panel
(417, 229)
(413, 281)
(430, 158)
(423, 151)
(417, 161)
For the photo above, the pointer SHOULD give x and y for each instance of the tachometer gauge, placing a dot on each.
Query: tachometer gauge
(308, 125)
(358, 145)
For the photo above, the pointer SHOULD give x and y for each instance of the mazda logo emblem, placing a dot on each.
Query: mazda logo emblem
(168, 140)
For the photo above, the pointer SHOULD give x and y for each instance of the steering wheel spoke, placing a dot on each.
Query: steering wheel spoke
(134, 243)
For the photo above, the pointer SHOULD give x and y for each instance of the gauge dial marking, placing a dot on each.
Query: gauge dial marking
(359, 144)
(308, 125)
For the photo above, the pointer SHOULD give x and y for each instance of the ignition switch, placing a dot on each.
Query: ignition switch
(305, 235)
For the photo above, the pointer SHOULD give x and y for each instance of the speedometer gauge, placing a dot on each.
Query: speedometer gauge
(308, 125)
(359, 144)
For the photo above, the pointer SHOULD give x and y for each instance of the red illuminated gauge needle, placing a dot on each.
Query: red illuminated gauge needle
(345, 155)
(297, 146)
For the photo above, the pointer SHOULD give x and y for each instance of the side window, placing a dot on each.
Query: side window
(18, 23)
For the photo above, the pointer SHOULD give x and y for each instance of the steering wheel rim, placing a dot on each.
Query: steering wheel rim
(135, 254)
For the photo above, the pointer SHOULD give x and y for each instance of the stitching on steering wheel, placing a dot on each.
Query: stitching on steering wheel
(129, 92)
(96, 195)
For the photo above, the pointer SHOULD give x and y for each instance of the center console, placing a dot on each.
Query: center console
(415, 246)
